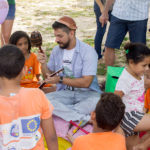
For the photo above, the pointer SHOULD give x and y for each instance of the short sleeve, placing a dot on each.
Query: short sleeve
(123, 84)
(37, 65)
(51, 64)
(47, 107)
(90, 60)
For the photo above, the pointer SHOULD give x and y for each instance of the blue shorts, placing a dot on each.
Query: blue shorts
(11, 12)
(118, 29)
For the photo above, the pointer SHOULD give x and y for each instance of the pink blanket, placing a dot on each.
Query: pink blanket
(62, 128)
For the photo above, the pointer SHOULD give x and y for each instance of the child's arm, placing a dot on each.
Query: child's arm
(49, 89)
(70, 138)
(38, 77)
(49, 133)
(120, 93)
(144, 144)
(145, 110)
(147, 81)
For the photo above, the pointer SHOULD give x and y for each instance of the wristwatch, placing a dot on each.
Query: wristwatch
(61, 79)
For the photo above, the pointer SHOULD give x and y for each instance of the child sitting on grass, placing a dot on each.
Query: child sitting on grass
(32, 72)
(25, 113)
(106, 117)
(130, 87)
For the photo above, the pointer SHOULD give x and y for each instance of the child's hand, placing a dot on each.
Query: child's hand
(147, 79)
(70, 138)
(139, 147)
(147, 83)
(41, 82)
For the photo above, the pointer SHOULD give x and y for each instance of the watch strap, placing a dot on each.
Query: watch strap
(61, 79)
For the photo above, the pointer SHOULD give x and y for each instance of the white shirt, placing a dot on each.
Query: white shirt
(132, 10)
(133, 90)
(67, 62)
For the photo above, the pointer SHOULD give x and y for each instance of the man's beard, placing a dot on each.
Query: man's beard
(65, 45)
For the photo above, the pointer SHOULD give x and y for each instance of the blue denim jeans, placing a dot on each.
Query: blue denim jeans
(118, 29)
(100, 30)
(11, 12)
(73, 105)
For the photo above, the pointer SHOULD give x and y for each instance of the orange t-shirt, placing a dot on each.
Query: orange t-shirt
(20, 117)
(100, 141)
(32, 69)
(147, 100)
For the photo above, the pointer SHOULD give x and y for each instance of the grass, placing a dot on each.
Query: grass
(40, 14)
(101, 69)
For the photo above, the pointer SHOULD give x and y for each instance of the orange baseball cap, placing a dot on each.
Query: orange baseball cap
(68, 21)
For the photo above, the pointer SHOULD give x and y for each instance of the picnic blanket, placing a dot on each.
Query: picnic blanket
(62, 128)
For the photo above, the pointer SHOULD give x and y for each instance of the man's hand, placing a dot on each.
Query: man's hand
(52, 80)
(104, 18)
(42, 57)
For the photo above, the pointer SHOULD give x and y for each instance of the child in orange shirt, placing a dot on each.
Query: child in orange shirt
(147, 95)
(107, 116)
(32, 73)
(147, 101)
(25, 113)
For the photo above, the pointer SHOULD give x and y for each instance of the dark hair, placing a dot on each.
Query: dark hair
(18, 35)
(136, 52)
(109, 111)
(58, 25)
(11, 61)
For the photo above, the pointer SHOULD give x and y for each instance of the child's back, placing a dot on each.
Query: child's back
(20, 118)
(23, 112)
(100, 141)
(106, 117)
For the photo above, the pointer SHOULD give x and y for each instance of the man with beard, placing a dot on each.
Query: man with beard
(77, 86)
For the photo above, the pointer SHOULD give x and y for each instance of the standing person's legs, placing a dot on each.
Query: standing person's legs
(7, 25)
(6, 31)
(109, 56)
(137, 31)
(117, 31)
(99, 32)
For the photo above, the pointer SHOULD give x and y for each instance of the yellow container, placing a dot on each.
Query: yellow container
(62, 143)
